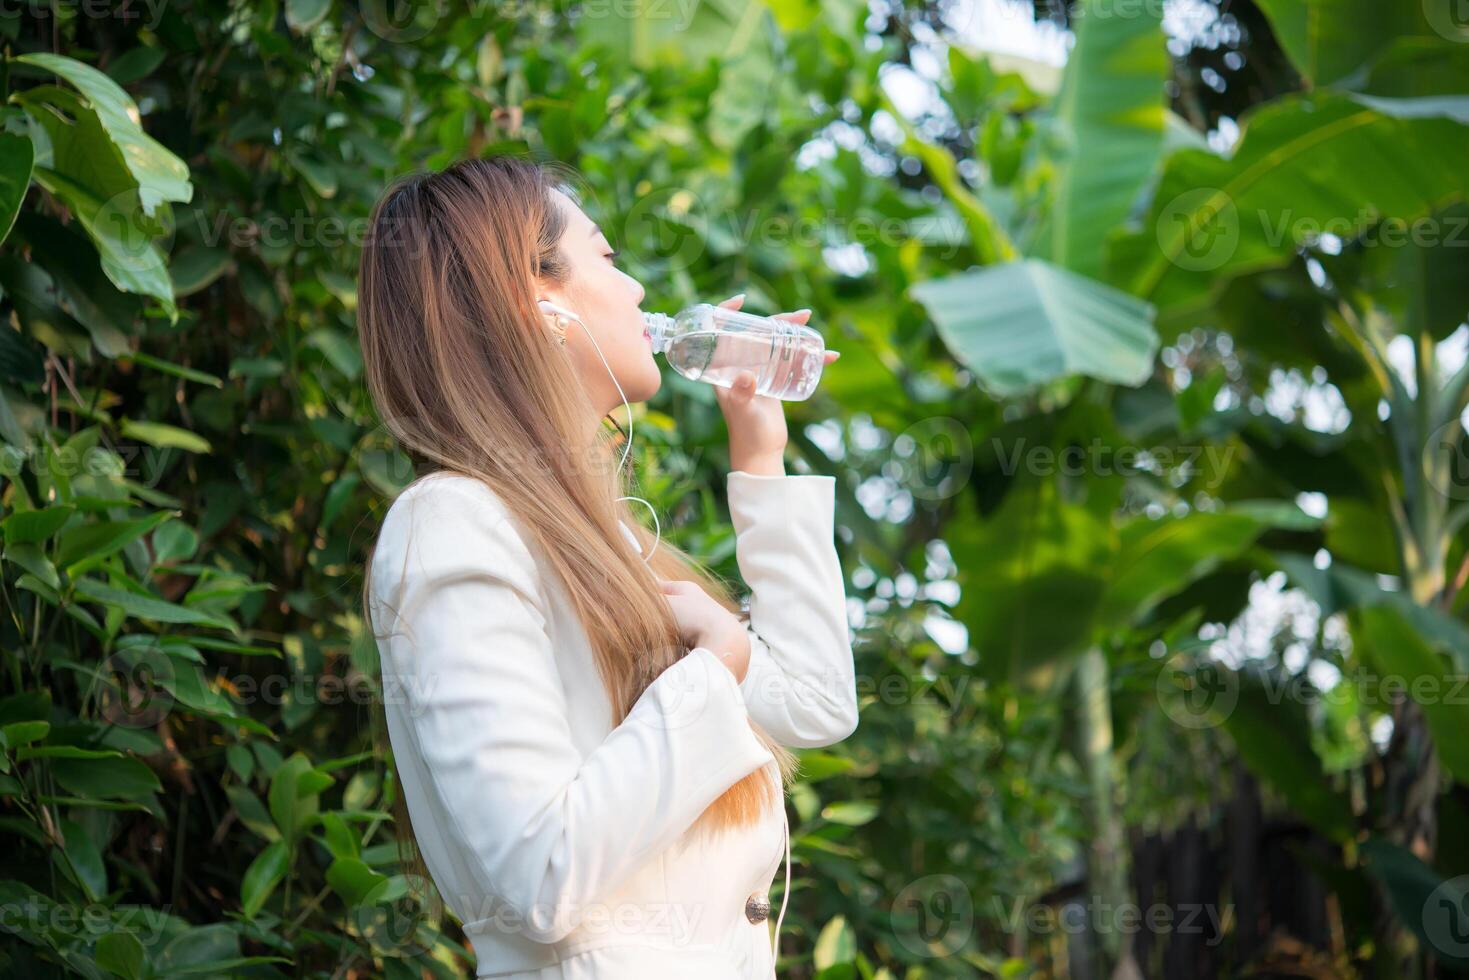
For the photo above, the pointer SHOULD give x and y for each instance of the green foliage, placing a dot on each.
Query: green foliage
(193, 468)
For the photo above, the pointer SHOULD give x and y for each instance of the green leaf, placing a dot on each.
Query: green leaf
(1343, 587)
(161, 176)
(177, 370)
(252, 812)
(104, 779)
(165, 436)
(17, 157)
(92, 542)
(1031, 576)
(294, 791)
(1159, 558)
(352, 879)
(20, 362)
(134, 64)
(851, 813)
(121, 954)
(339, 350)
(1025, 323)
(317, 172)
(145, 607)
(266, 872)
(1272, 734)
(340, 839)
(302, 15)
(33, 560)
(83, 288)
(64, 752)
(194, 269)
(985, 232)
(837, 944)
(24, 732)
(1429, 906)
(35, 526)
(174, 540)
(1109, 121)
(1304, 164)
(720, 30)
(1394, 649)
(32, 292)
(1328, 40)
(84, 859)
(203, 946)
(129, 256)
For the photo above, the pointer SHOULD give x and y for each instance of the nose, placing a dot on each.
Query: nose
(638, 287)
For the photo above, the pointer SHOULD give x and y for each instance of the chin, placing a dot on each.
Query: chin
(648, 384)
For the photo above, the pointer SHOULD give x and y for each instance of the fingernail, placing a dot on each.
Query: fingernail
(740, 296)
(804, 309)
(837, 353)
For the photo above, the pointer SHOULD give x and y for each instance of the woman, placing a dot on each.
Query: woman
(590, 741)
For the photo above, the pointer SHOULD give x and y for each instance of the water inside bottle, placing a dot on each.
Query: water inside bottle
(785, 366)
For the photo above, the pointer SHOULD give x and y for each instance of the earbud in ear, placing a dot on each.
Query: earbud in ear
(551, 308)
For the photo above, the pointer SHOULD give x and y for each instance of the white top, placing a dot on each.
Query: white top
(557, 838)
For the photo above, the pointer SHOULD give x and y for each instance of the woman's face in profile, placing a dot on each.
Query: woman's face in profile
(609, 302)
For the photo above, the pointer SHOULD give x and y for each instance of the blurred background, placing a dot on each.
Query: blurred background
(1148, 438)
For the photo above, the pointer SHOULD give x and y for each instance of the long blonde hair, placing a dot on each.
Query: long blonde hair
(467, 378)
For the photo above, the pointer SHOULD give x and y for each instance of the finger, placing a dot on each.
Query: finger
(832, 355)
(743, 388)
(735, 391)
(799, 316)
(734, 302)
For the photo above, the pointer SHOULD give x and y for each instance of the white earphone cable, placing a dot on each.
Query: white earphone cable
(785, 893)
(627, 447)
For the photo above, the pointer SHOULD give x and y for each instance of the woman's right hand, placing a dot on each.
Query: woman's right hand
(702, 622)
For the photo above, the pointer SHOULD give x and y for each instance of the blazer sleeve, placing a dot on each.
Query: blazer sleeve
(552, 831)
(801, 683)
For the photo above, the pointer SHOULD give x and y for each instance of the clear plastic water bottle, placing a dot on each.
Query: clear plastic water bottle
(714, 344)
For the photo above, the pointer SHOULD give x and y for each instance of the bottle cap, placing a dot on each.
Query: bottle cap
(658, 324)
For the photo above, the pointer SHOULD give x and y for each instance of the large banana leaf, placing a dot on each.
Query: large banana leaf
(1109, 124)
(1043, 578)
(687, 34)
(1031, 576)
(1329, 40)
(1432, 907)
(1385, 640)
(1316, 162)
(1272, 734)
(1025, 323)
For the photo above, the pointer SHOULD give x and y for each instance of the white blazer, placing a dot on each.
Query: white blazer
(558, 839)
